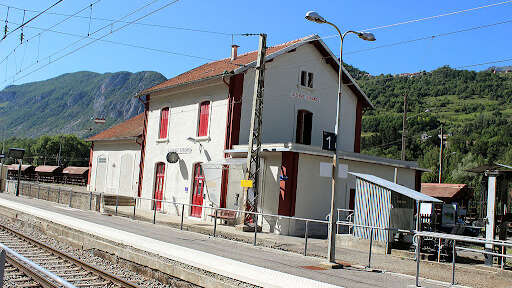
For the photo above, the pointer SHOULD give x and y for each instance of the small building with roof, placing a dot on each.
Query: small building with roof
(384, 204)
(48, 174)
(27, 171)
(75, 175)
(449, 193)
(115, 158)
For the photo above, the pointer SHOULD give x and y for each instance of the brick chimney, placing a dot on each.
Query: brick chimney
(234, 49)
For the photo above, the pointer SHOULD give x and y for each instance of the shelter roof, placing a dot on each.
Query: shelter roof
(495, 167)
(47, 169)
(16, 167)
(396, 188)
(129, 129)
(75, 170)
(442, 190)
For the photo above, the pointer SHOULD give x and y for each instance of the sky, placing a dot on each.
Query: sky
(50, 54)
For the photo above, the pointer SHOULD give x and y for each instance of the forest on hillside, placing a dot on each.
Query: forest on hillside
(474, 108)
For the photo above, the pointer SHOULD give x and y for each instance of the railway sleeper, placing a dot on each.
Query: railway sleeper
(92, 284)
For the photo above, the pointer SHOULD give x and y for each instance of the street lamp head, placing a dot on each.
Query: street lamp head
(315, 17)
(366, 36)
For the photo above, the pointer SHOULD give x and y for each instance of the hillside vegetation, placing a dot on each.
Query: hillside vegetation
(475, 108)
(68, 103)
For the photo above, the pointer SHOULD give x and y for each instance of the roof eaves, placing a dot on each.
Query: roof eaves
(145, 92)
(113, 139)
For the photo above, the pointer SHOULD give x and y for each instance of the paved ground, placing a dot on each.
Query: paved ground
(272, 259)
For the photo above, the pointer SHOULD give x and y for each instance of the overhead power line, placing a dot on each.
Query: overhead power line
(105, 35)
(31, 19)
(141, 23)
(438, 16)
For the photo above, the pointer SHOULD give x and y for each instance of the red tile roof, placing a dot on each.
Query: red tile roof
(47, 169)
(16, 167)
(131, 128)
(75, 170)
(442, 190)
(218, 67)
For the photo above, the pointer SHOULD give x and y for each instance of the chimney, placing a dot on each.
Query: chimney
(233, 51)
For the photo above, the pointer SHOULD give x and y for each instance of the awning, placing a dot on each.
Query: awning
(396, 188)
(75, 170)
(227, 161)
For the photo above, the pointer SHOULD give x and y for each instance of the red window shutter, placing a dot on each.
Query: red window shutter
(164, 122)
(204, 114)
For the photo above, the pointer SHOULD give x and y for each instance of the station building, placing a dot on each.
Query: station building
(204, 116)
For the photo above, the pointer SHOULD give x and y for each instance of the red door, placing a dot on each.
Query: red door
(159, 184)
(197, 191)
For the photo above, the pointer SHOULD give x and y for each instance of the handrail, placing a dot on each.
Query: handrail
(36, 267)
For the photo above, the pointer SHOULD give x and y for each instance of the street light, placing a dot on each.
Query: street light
(315, 17)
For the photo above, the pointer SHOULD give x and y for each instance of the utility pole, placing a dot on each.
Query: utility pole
(404, 127)
(254, 148)
(441, 155)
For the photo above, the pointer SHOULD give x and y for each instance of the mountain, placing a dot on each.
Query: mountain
(67, 104)
(474, 108)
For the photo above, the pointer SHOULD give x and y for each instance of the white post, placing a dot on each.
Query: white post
(490, 223)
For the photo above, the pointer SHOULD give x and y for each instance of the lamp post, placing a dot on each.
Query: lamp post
(315, 17)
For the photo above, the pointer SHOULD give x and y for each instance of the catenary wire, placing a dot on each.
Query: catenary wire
(28, 21)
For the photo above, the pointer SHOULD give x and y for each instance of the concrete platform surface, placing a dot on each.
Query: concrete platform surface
(256, 265)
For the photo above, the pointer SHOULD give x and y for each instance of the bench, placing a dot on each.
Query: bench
(113, 200)
(225, 215)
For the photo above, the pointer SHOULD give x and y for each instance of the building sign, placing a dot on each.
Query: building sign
(102, 160)
(246, 183)
(326, 170)
(16, 153)
(301, 95)
(328, 141)
(181, 150)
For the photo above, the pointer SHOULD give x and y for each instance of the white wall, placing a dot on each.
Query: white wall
(114, 152)
(314, 192)
(183, 123)
(280, 105)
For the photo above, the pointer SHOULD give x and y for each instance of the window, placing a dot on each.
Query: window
(306, 79)
(164, 122)
(204, 115)
(304, 126)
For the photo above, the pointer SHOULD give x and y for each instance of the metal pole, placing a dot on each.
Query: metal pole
(255, 227)
(48, 196)
(154, 211)
(306, 239)
(38, 191)
(404, 127)
(502, 257)
(70, 197)
(453, 262)
(370, 251)
(2, 267)
(182, 213)
(117, 201)
(418, 261)
(215, 224)
(254, 147)
(439, 251)
(441, 156)
(19, 176)
(134, 206)
(90, 200)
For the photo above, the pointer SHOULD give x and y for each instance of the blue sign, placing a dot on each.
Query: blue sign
(283, 177)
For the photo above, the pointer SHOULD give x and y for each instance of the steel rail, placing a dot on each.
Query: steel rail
(29, 271)
(103, 274)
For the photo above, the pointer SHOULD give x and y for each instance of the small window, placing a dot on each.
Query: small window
(306, 79)
(164, 122)
(304, 127)
(204, 115)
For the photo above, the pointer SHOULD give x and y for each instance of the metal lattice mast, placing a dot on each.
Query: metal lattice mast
(254, 148)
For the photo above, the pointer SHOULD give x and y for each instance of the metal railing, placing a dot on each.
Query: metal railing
(214, 215)
(31, 265)
(459, 239)
(345, 215)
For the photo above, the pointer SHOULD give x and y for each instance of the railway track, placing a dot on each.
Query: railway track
(76, 272)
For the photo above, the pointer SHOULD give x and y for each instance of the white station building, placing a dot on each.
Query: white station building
(204, 116)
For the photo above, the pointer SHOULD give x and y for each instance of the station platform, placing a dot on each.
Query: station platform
(259, 266)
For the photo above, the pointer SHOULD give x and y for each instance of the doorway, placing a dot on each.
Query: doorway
(197, 191)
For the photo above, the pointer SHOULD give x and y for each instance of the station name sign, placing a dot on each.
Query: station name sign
(181, 150)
